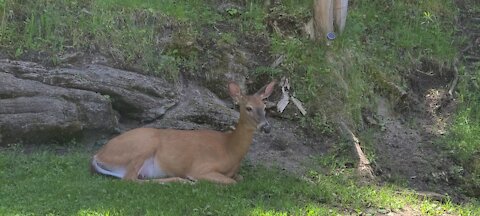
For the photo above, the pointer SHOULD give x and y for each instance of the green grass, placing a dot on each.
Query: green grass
(382, 38)
(463, 139)
(44, 183)
(466, 128)
(128, 32)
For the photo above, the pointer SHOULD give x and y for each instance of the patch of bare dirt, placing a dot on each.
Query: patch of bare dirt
(288, 147)
(406, 148)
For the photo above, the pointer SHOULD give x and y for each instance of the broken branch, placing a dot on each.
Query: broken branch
(363, 168)
(454, 82)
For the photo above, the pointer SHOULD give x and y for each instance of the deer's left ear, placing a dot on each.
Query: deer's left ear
(235, 91)
(266, 90)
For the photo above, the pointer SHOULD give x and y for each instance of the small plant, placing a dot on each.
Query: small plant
(428, 17)
(321, 123)
(269, 71)
(168, 67)
(227, 38)
(233, 12)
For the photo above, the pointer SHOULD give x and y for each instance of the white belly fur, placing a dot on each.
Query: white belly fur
(151, 170)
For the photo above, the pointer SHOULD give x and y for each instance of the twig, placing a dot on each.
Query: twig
(431, 196)
(422, 195)
(282, 104)
(278, 61)
(473, 58)
(454, 82)
(363, 168)
(299, 105)
(424, 73)
(467, 48)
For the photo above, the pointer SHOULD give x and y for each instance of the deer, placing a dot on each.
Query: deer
(172, 155)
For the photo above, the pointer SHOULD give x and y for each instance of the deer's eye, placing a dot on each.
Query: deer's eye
(249, 109)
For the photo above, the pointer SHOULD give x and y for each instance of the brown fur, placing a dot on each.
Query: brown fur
(190, 154)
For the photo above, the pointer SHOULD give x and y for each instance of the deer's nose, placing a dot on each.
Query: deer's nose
(266, 127)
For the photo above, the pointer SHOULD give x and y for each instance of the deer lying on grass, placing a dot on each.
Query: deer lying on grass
(168, 155)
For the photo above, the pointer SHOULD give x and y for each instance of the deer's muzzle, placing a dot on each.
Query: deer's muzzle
(266, 127)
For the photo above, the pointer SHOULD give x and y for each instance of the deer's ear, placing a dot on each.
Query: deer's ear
(235, 91)
(266, 90)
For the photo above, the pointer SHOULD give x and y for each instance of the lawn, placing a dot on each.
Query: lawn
(43, 182)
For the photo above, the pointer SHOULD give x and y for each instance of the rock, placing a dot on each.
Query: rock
(40, 104)
(31, 111)
(133, 95)
(199, 109)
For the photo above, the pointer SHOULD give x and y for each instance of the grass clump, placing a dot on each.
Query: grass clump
(145, 36)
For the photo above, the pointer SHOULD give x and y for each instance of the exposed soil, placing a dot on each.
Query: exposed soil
(406, 148)
(288, 147)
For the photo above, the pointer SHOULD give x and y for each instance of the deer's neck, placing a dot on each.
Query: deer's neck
(241, 138)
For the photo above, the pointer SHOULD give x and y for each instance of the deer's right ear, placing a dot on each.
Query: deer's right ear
(235, 91)
(266, 90)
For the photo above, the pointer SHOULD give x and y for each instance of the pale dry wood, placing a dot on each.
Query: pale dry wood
(278, 61)
(340, 14)
(454, 82)
(299, 105)
(322, 18)
(422, 195)
(283, 102)
(364, 169)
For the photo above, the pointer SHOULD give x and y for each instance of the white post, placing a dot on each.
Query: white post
(340, 14)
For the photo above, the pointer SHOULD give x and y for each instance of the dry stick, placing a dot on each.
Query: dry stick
(423, 195)
(399, 90)
(278, 61)
(454, 82)
(472, 58)
(363, 168)
(467, 48)
(391, 87)
(431, 196)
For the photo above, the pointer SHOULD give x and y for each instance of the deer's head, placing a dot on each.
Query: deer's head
(253, 106)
